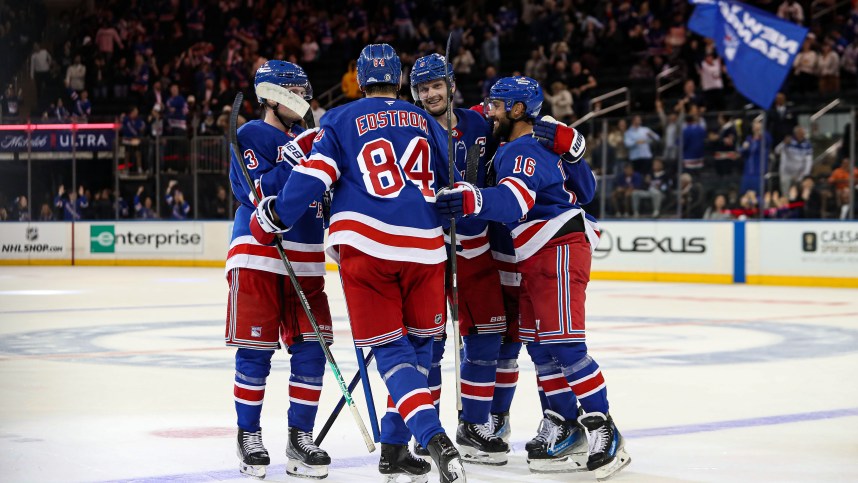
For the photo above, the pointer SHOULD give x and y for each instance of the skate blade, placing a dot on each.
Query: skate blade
(620, 461)
(570, 463)
(253, 471)
(472, 455)
(298, 468)
(398, 478)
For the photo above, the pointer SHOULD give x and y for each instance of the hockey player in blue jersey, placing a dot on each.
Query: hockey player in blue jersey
(489, 366)
(552, 238)
(384, 159)
(263, 308)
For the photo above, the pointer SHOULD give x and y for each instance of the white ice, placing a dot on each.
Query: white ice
(114, 373)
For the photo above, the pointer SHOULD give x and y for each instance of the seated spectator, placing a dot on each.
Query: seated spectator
(57, 112)
(839, 178)
(11, 102)
(179, 208)
(812, 198)
(20, 209)
(718, 210)
(691, 197)
(46, 213)
(82, 108)
(143, 208)
(73, 205)
(219, 205)
(658, 185)
(625, 183)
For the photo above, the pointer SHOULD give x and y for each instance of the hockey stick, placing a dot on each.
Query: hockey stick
(342, 402)
(233, 142)
(472, 164)
(454, 284)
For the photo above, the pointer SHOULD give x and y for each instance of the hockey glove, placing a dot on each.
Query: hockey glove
(263, 226)
(462, 199)
(560, 138)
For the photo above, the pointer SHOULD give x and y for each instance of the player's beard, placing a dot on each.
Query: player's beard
(502, 126)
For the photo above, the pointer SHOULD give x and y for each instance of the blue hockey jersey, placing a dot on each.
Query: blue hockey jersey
(533, 197)
(384, 159)
(472, 134)
(270, 155)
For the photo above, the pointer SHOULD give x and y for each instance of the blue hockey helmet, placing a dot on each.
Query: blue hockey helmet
(378, 64)
(279, 73)
(427, 69)
(518, 89)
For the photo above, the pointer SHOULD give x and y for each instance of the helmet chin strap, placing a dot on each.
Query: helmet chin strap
(286, 124)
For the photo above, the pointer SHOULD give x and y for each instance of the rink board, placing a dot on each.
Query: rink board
(815, 253)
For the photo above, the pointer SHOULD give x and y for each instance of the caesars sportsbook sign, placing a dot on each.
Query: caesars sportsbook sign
(146, 238)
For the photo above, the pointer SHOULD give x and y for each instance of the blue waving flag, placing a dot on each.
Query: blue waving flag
(758, 48)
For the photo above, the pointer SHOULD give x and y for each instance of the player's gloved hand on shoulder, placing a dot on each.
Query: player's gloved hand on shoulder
(560, 138)
(462, 199)
(264, 224)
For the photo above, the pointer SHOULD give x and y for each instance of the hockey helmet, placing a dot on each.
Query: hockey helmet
(518, 89)
(427, 69)
(378, 64)
(279, 73)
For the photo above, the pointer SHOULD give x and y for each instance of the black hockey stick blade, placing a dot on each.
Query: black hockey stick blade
(472, 164)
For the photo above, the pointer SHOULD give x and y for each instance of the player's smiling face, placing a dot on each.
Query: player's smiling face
(501, 124)
(433, 95)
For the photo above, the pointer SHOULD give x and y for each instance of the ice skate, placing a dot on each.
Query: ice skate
(501, 427)
(396, 461)
(306, 460)
(607, 448)
(419, 450)
(559, 447)
(447, 459)
(478, 444)
(252, 455)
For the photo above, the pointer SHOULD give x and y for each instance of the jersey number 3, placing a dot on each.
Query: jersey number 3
(382, 169)
(252, 162)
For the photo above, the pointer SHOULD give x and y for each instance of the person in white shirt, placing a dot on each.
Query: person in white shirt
(40, 71)
(805, 67)
(561, 102)
(829, 70)
(711, 82)
(791, 10)
(638, 139)
(796, 159)
(318, 110)
(76, 75)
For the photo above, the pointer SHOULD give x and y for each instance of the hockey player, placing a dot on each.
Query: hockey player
(552, 240)
(385, 158)
(263, 307)
(489, 367)
(482, 318)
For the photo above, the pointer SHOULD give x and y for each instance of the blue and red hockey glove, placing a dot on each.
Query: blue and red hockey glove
(462, 199)
(560, 138)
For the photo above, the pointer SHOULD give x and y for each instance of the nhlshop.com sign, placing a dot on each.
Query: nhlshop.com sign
(24, 241)
(146, 238)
